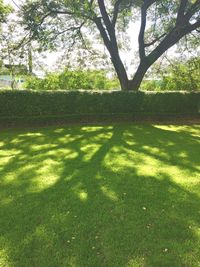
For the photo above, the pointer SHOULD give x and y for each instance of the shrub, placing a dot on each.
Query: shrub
(73, 80)
(179, 76)
(29, 104)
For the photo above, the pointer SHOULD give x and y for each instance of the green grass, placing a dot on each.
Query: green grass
(117, 195)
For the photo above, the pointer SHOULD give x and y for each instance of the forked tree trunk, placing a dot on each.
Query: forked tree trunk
(125, 83)
(134, 84)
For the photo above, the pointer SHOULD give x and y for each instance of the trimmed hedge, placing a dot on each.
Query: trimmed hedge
(29, 104)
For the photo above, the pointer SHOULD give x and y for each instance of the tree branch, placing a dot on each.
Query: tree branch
(73, 28)
(103, 32)
(65, 12)
(170, 39)
(194, 26)
(148, 3)
(106, 19)
(192, 10)
(181, 11)
(142, 31)
(110, 42)
(116, 12)
(155, 40)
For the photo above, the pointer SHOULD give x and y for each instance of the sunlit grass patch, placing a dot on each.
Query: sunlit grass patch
(116, 195)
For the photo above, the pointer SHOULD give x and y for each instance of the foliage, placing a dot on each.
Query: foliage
(108, 195)
(18, 69)
(4, 70)
(163, 24)
(4, 11)
(91, 105)
(73, 79)
(177, 76)
(151, 85)
(182, 76)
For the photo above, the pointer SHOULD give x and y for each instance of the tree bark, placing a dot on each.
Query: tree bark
(30, 61)
(120, 71)
(138, 77)
(110, 42)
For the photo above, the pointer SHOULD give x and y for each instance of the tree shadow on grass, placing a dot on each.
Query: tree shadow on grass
(99, 196)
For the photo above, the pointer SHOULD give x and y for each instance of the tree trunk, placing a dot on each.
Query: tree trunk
(110, 42)
(124, 84)
(123, 79)
(120, 71)
(30, 61)
(135, 83)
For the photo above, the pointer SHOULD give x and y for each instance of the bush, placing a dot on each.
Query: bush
(73, 80)
(180, 76)
(92, 104)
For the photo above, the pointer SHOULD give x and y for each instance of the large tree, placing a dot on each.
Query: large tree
(163, 24)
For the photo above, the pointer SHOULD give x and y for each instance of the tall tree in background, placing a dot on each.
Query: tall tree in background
(15, 45)
(163, 24)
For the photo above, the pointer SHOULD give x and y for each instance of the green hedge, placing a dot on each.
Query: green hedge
(87, 104)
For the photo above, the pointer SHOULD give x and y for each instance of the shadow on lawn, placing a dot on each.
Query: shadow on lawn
(99, 200)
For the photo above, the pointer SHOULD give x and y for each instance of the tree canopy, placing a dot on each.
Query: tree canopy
(163, 23)
(4, 11)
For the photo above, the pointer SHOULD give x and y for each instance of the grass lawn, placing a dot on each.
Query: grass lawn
(115, 195)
